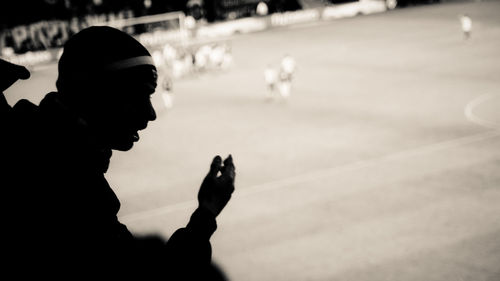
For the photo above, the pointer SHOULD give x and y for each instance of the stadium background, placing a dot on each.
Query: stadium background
(382, 165)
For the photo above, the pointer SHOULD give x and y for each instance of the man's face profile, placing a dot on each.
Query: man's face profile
(109, 78)
(126, 106)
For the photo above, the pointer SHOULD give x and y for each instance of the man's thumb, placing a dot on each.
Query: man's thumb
(10, 73)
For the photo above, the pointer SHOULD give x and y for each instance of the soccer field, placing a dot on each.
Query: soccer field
(383, 164)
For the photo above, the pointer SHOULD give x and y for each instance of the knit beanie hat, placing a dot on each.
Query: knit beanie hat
(95, 52)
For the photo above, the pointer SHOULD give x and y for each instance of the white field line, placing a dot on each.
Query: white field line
(323, 173)
(469, 112)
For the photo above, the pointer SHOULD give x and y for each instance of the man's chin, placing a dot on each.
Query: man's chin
(122, 141)
(125, 146)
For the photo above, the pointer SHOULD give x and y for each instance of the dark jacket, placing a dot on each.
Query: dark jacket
(60, 214)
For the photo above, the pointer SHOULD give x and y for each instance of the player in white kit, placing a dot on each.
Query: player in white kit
(466, 24)
(164, 79)
(271, 79)
(287, 70)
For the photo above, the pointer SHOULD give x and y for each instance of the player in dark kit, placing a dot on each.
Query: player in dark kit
(59, 214)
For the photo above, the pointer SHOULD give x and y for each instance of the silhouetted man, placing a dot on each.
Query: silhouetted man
(59, 213)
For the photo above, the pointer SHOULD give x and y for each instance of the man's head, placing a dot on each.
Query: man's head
(108, 78)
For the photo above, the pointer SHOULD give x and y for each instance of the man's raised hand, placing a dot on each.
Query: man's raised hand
(10, 73)
(218, 185)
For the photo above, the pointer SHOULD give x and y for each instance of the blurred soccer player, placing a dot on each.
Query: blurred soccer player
(271, 79)
(202, 58)
(216, 56)
(166, 91)
(466, 24)
(287, 70)
(164, 77)
(227, 60)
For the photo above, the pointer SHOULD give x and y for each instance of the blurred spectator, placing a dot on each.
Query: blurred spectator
(194, 9)
(210, 10)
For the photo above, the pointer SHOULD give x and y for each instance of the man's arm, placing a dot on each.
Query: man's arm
(189, 247)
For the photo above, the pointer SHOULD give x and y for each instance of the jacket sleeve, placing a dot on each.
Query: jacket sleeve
(4, 105)
(5, 109)
(189, 247)
(185, 256)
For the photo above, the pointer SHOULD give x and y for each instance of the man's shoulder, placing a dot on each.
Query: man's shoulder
(26, 113)
(24, 110)
(25, 105)
(26, 120)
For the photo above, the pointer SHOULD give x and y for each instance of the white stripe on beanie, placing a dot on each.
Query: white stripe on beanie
(130, 62)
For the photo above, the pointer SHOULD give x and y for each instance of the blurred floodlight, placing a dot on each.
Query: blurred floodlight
(262, 9)
(189, 22)
(391, 4)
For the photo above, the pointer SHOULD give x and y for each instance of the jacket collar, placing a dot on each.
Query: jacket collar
(68, 122)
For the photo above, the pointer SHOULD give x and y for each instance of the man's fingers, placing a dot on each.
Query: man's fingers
(228, 160)
(10, 73)
(215, 166)
(14, 70)
(22, 72)
(228, 172)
